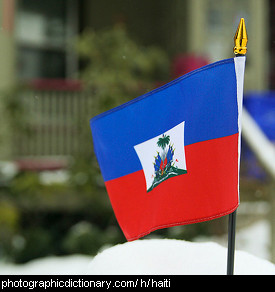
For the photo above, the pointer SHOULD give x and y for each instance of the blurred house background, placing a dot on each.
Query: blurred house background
(38, 47)
(45, 101)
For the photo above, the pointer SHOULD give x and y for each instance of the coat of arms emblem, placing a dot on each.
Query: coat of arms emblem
(163, 157)
(165, 162)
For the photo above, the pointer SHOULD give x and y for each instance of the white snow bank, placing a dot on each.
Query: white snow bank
(147, 257)
(65, 265)
(174, 257)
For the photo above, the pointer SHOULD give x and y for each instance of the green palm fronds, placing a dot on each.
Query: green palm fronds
(163, 141)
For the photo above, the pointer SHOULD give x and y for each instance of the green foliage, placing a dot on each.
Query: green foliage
(15, 113)
(84, 237)
(36, 242)
(9, 215)
(117, 69)
(27, 183)
(9, 221)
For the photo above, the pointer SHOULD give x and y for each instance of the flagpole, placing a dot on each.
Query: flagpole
(240, 49)
(231, 242)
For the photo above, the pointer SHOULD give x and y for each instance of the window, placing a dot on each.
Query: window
(44, 30)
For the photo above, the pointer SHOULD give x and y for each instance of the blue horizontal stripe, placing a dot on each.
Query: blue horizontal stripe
(205, 99)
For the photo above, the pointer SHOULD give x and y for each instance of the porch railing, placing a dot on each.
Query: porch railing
(53, 119)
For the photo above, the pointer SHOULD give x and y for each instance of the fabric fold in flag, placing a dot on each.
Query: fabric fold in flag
(171, 157)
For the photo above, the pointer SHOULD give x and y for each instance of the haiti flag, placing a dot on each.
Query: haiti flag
(171, 157)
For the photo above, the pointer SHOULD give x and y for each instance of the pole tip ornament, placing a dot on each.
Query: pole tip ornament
(240, 39)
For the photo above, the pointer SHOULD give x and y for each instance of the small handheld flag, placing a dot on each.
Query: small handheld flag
(171, 156)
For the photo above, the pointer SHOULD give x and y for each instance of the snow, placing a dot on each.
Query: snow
(254, 239)
(63, 265)
(206, 256)
(174, 257)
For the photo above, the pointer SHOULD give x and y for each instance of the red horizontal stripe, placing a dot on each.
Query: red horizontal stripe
(209, 190)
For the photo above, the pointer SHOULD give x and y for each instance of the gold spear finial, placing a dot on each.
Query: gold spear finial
(240, 39)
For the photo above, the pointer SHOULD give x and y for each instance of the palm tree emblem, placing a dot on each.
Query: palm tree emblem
(163, 141)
